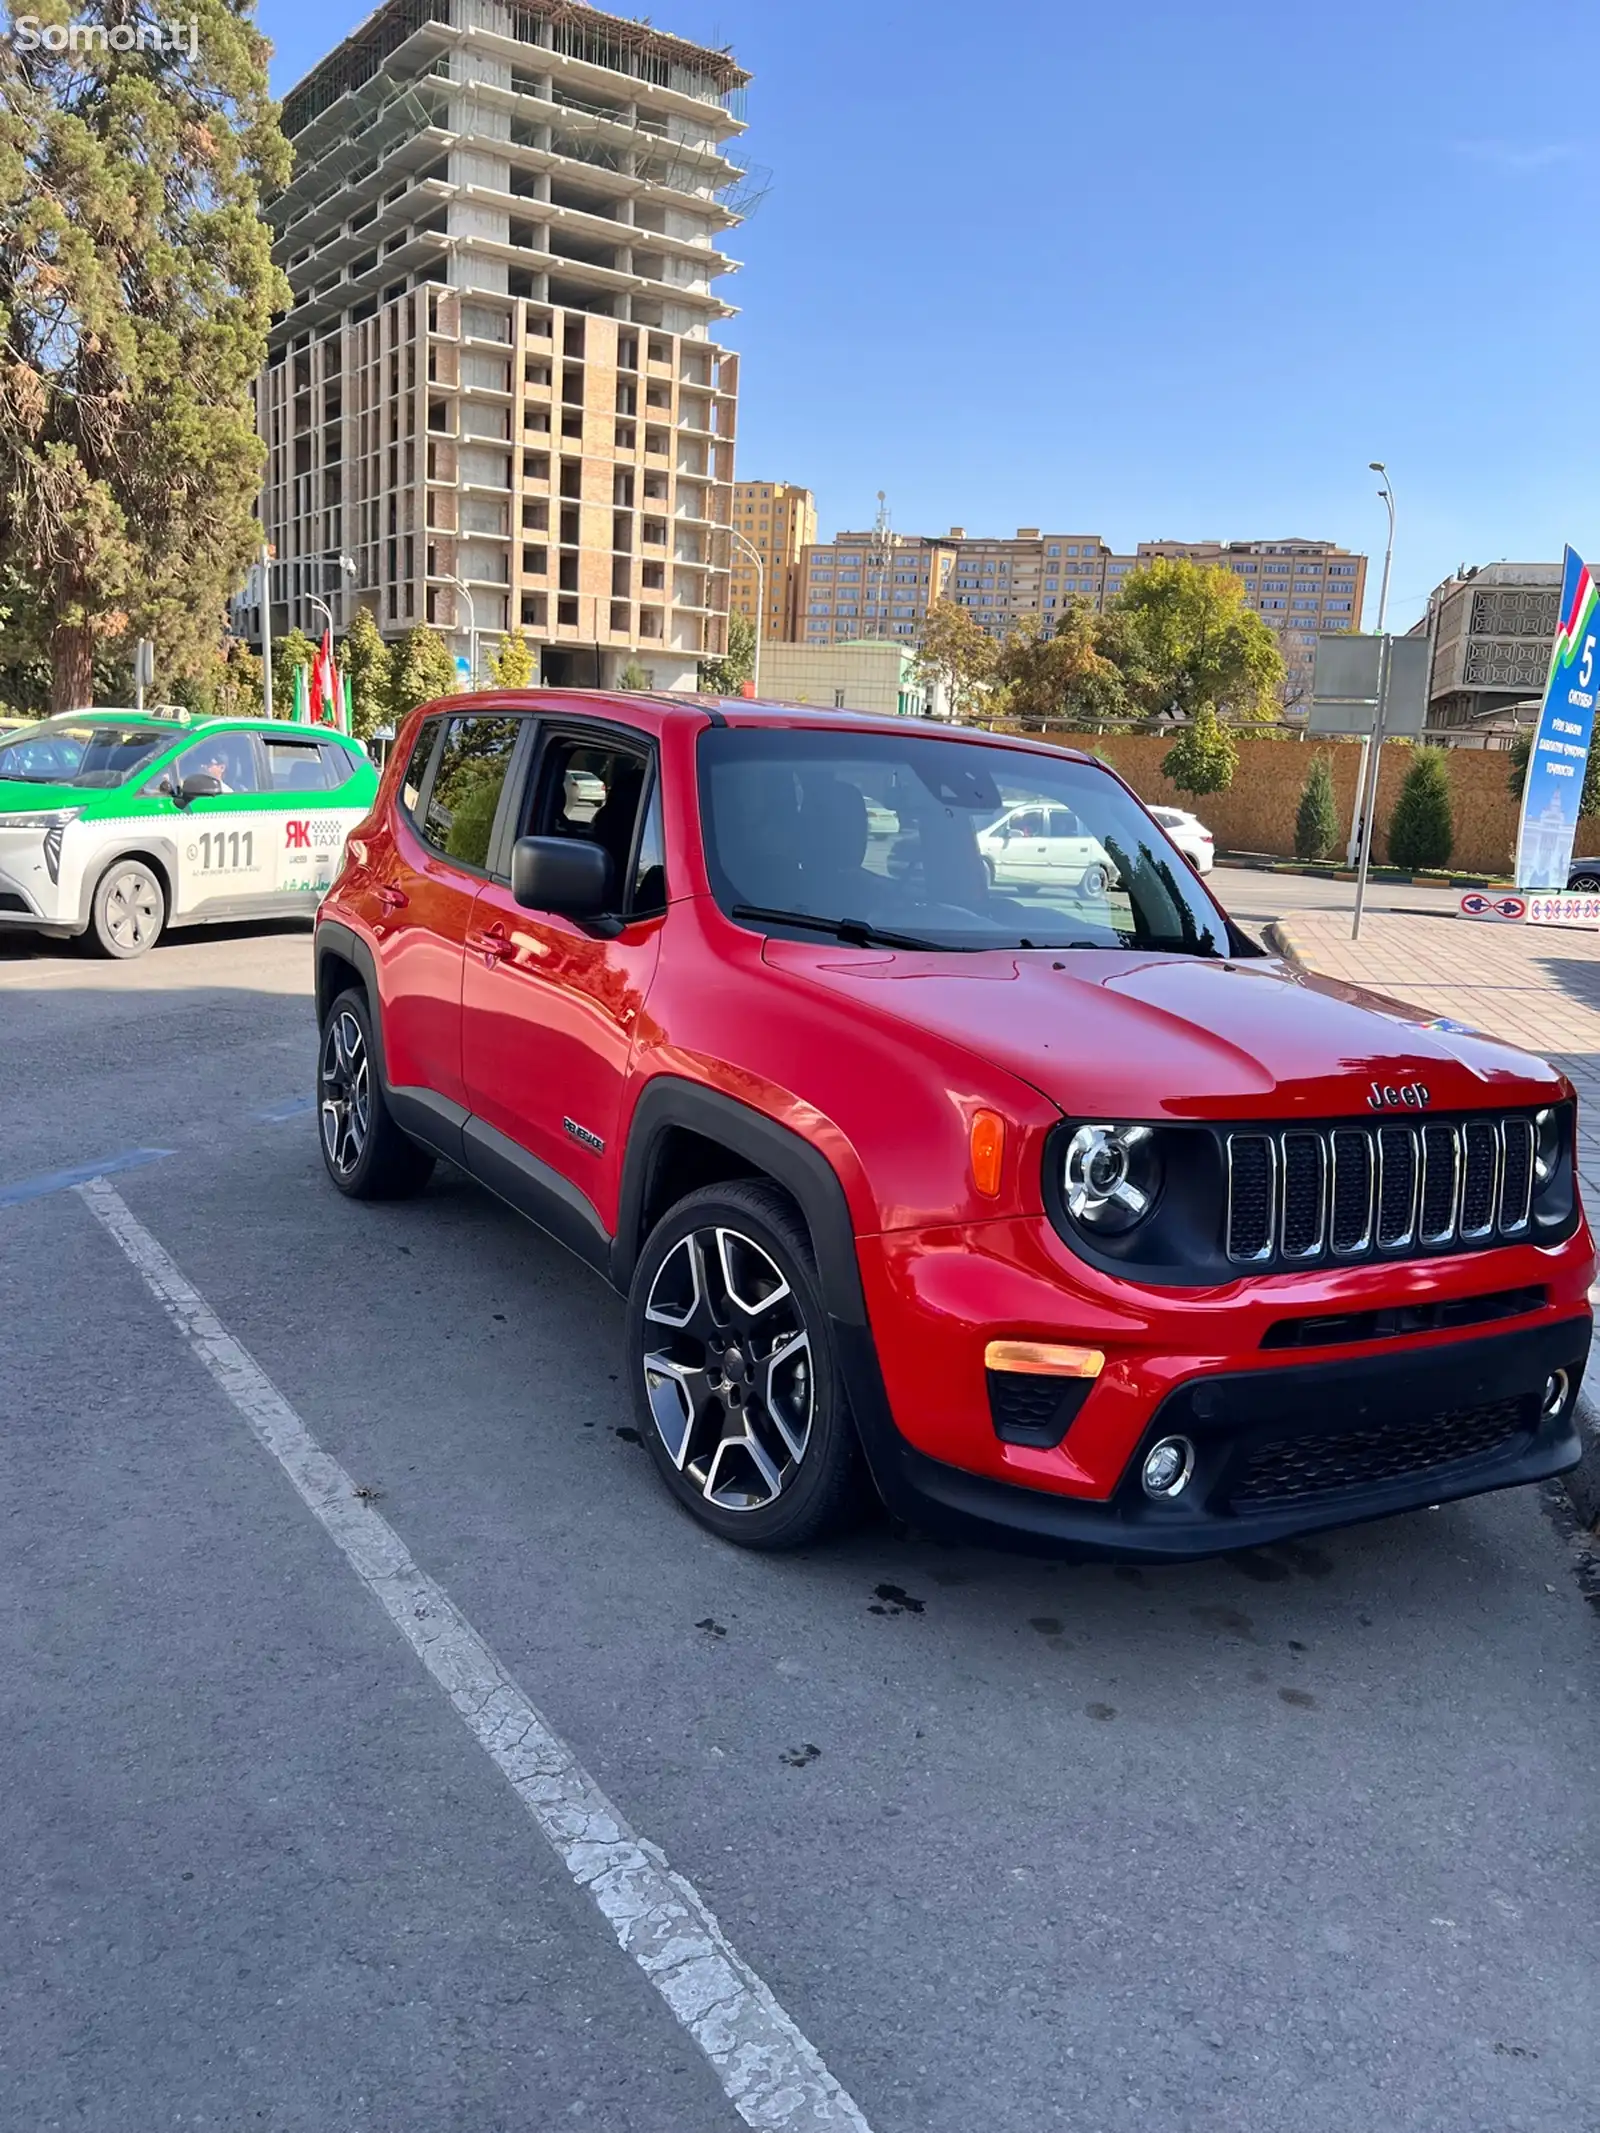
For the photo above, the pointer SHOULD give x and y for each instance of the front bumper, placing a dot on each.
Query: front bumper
(1287, 1451)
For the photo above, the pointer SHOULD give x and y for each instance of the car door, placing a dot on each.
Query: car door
(550, 1007)
(315, 792)
(1021, 849)
(427, 863)
(1073, 853)
(226, 859)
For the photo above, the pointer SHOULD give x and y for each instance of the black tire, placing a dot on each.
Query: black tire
(1583, 885)
(128, 912)
(363, 1151)
(1093, 884)
(734, 1409)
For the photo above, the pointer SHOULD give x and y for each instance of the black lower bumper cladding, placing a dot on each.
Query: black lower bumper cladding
(1287, 1450)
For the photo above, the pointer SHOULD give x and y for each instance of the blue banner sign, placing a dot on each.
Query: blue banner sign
(1553, 786)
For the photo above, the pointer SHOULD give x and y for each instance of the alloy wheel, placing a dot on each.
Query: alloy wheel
(731, 1382)
(133, 910)
(346, 1093)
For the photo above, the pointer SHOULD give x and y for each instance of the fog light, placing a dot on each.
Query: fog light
(1555, 1392)
(1167, 1467)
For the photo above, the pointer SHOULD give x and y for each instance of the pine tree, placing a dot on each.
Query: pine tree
(136, 289)
(511, 662)
(1316, 826)
(1204, 757)
(1421, 833)
(423, 669)
(369, 662)
(634, 676)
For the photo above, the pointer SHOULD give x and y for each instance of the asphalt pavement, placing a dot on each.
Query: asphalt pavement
(1293, 1843)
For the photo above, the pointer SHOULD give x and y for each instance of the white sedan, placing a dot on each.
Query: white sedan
(1189, 834)
(1035, 846)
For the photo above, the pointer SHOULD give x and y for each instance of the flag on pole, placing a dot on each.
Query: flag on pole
(302, 708)
(347, 702)
(325, 685)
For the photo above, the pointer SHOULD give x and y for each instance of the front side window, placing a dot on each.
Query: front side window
(466, 786)
(594, 789)
(227, 757)
(944, 844)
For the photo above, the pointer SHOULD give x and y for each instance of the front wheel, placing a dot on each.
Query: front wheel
(363, 1150)
(1583, 885)
(129, 909)
(735, 1381)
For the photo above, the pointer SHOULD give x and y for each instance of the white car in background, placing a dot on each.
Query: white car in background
(1190, 835)
(1035, 846)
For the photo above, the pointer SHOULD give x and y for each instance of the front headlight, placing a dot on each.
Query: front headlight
(1546, 1148)
(39, 819)
(1112, 1178)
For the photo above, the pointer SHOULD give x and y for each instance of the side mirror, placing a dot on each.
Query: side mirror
(566, 875)
(199, 785)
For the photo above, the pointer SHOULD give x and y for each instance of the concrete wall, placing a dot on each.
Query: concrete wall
(1256, 813)
(869, 677)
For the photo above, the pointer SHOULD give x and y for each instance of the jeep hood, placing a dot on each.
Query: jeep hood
(1135, 1035)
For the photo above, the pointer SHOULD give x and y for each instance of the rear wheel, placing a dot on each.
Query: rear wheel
(363, 1150)
(1093, 884)
(1583, 884)
(129, 909)
(735, 1380)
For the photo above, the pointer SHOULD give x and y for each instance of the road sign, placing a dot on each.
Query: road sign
(1552, 790)
(1344, 686)
(1505, 909)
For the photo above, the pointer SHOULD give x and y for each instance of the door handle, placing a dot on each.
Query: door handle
(491, 944)
(391, 898)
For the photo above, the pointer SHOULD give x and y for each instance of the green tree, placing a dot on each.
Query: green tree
(955, 653)
(511, 662)
(293, 649)
(1205, 755)
(634, 676)
(1522, 748)
(1193, 644)
(1421, 833)
(136, 289)
(727, 676)
(1069, 670)
(1316, 826)
(423, 669)
(369, 662)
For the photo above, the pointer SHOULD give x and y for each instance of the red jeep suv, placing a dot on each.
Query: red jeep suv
(943, 1133)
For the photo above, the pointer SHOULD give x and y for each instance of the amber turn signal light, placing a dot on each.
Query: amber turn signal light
(1043, 1359)
(987, 1141)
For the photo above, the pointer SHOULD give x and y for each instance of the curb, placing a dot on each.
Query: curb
(1392, 877)
(1582, 1484)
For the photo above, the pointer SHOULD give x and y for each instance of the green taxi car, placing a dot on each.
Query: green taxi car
(117, 824)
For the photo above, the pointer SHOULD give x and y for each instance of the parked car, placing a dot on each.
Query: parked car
(1037, 846)
(1190, 835)
(116, 824)
(1086, 1226)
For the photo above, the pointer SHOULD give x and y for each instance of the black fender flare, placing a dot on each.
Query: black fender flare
(334, 938)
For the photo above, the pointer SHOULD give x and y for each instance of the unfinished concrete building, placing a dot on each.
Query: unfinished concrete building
(497, 393)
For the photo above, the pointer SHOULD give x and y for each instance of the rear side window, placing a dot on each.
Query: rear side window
(416, 769)
(466, 787)
(299, 766)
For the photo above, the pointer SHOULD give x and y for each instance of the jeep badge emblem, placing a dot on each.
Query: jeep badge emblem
(1384, 1096)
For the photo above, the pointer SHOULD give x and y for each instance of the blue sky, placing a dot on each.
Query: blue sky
(1166, 270)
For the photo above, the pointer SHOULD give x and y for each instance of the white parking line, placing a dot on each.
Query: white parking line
(771, 2073)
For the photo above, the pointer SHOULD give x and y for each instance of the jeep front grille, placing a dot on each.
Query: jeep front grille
(1312, 1193)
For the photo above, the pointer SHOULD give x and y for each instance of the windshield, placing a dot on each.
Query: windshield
(69, 751)
(941, 844)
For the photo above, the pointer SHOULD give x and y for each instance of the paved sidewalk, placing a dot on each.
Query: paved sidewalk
(1532, 985)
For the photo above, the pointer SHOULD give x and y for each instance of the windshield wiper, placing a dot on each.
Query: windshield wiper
(855, 931)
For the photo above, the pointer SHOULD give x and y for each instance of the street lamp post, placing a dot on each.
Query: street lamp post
(754, 554)
(1358, 836)
(1368, 797)
(461, 587)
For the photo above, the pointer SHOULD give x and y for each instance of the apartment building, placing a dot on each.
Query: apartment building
(780, 522)
(874, 584)
(1492, 630)
(1297, 587)
(1032, 573)
(497, 393)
